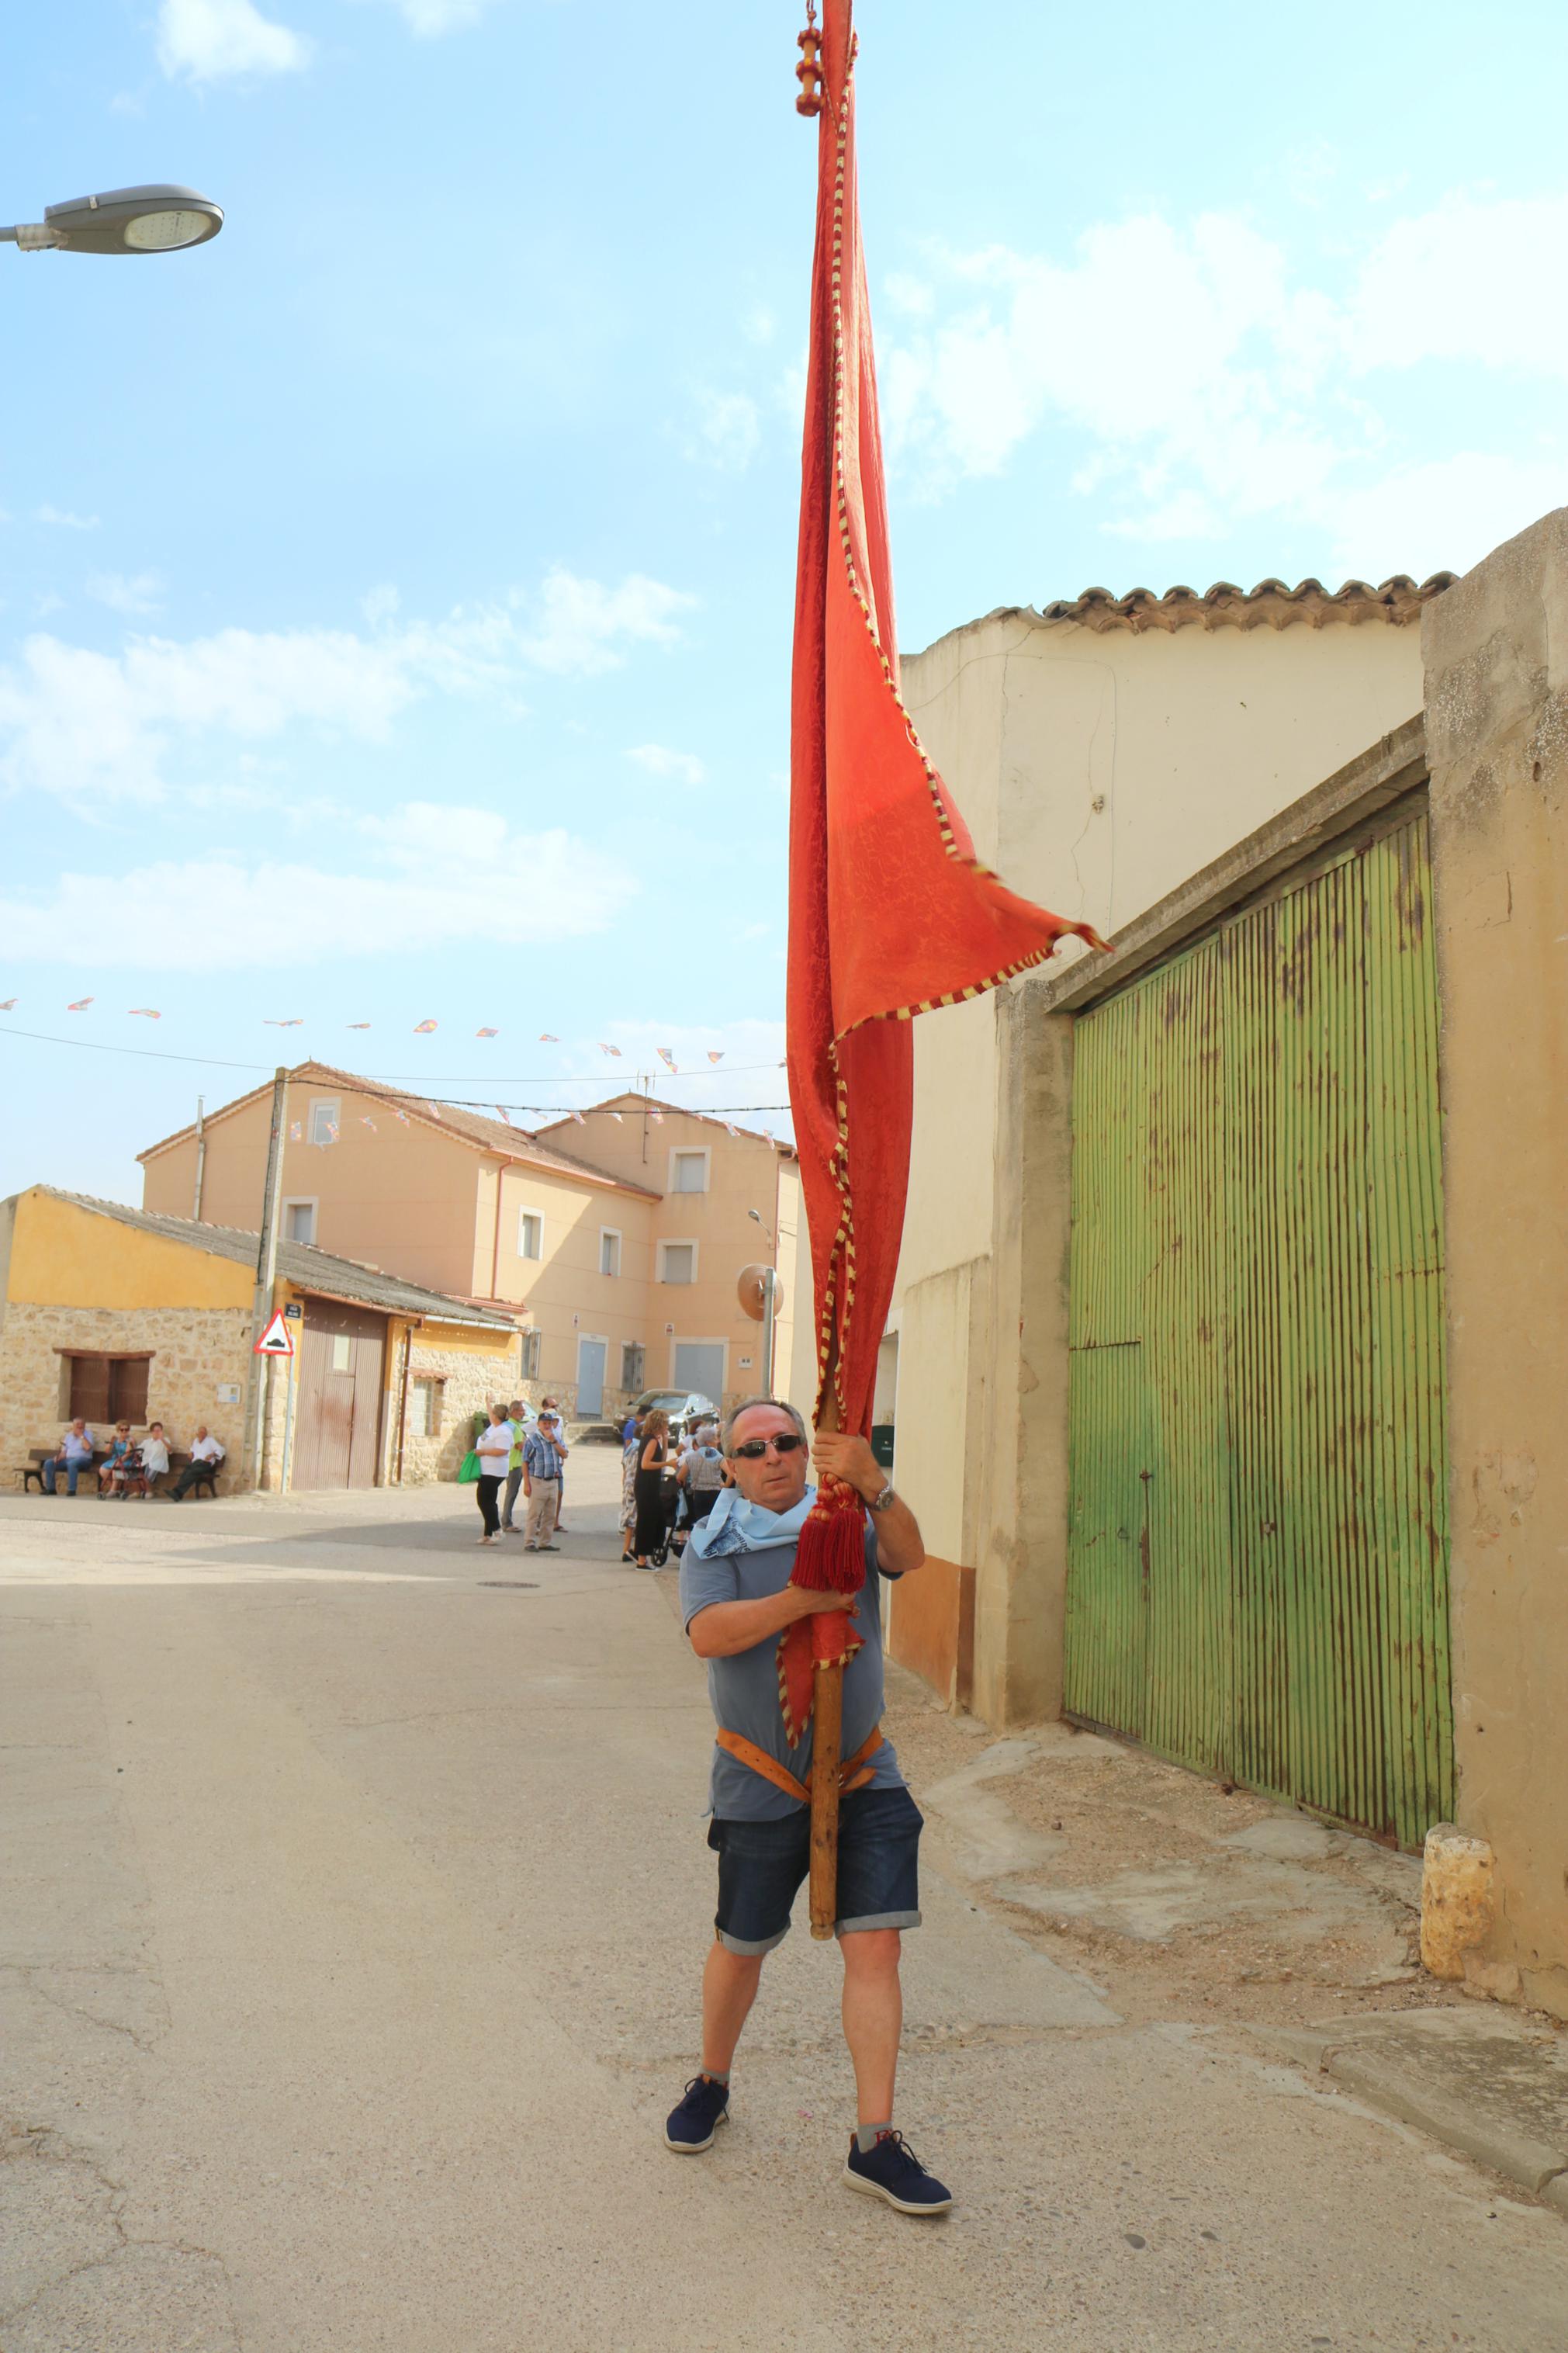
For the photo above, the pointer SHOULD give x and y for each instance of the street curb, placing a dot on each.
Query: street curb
(1380, 2059)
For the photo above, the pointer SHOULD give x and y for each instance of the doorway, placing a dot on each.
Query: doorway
(343, 1357)
(699, 1366)
(591, 1357)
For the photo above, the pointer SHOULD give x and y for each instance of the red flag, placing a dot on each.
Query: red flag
(890, 911)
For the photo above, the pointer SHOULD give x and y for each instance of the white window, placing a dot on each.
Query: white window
(531, 1346)
(609, 1251)
(677, 1261)
(689, 1171)
(529, 1234)
(342, 1352)
(325, 1122)
(299, 1222)
(426, 1408)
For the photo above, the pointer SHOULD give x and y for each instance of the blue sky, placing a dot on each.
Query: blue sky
(395, 618)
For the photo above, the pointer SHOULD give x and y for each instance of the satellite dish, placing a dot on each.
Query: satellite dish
(751, 1290)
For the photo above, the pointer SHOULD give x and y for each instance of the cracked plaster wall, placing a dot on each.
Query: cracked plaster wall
(1495, 650)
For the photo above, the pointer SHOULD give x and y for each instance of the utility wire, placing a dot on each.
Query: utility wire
(458, 1102)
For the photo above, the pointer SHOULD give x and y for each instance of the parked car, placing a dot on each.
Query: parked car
(686, 1407)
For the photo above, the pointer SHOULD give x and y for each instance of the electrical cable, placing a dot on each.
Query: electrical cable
(456, 1103)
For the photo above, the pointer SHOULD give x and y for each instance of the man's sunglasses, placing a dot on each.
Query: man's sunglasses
(755, 1448)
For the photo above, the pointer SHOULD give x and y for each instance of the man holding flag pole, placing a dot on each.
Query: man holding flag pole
(892, 914)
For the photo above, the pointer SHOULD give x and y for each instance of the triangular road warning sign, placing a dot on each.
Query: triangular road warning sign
(277, 1340)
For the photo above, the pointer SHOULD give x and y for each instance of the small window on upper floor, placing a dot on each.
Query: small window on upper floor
(529, 1234)
(677, 1261)
(689, 1172)
(299, 1222)
(324, 1122)
(609, 1251)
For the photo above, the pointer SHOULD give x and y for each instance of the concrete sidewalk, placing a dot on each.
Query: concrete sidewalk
(355, 1892)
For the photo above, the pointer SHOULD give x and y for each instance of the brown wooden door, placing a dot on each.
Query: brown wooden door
(337, 1436)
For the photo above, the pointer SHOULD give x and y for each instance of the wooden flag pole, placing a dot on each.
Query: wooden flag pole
(827, 1739)
(828, 1715)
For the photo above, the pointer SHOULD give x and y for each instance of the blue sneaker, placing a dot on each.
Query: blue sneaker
(890, 2169)
(690, 2128)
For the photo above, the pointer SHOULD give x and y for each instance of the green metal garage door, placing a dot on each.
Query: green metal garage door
(1257, 1545)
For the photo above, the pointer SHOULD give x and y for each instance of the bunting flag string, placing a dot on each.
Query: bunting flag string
(366, 1121)
(504, 1114)
(484, 1033)
(667, 1059)
(146, 1013)
(713, 1057)
(295, 1131)
(423, 1029)
(9, 1005)
(298, 1021)
(80, 1005)
(356, 1025)
(546, 1039)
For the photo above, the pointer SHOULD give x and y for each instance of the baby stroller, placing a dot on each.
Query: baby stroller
(670, 1496)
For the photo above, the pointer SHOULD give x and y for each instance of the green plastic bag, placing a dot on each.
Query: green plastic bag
(469, 1470)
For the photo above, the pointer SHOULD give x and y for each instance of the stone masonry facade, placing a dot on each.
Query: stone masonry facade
(196, 1350)
(470, 1381)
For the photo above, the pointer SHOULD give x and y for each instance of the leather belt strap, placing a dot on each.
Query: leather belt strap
(853, 1773)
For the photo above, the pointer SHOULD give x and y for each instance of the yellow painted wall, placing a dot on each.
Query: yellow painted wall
(65, 1256)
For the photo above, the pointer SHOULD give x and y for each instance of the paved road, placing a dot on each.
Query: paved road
(352, 1908)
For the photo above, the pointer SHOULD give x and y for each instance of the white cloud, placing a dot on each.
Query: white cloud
(216, 40)
(729, 429)
(137, 594)
(581, 621)
(661, 762)
(1210, 383)
(209, 915)
(429, 18)
(79, 724)
(63, 521)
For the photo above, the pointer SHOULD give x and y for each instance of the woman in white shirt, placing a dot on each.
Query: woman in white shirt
(494, 1450)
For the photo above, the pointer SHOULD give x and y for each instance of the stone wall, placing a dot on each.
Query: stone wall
(471, 1382)
(194, 1351)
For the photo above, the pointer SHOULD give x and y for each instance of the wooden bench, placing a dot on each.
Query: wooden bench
(32, 1472)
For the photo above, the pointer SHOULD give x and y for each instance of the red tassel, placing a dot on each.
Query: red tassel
(831, 1555)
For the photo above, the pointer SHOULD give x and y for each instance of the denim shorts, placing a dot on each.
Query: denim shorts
(762, 1865)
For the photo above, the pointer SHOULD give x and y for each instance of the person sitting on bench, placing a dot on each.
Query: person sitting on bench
(74, 1457)
(207, 1453)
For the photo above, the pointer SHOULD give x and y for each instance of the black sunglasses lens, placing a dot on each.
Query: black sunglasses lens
(755, 1448)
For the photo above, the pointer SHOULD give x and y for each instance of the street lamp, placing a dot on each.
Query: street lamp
(162, 218)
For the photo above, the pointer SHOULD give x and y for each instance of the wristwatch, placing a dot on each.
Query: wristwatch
(881, 1502)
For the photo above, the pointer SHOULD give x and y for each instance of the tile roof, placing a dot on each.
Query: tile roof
(633, 1100)
(1270, 605)
(450, 1119)
(308, 1268)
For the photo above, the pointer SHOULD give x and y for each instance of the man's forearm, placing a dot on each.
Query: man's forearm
(899, 1546)
(726, 1628)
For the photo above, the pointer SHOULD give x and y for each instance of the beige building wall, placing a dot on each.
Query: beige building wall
(743, 1173)
(399, 1195)
(1497, 726)
(562, 1295)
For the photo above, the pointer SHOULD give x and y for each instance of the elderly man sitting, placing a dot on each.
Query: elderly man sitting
(736, 1599)
(74, 1457)
(207, 1453)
